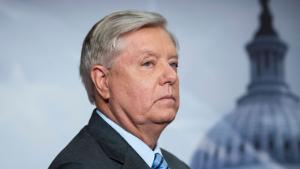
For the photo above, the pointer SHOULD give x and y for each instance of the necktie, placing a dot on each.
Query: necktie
(159, 162)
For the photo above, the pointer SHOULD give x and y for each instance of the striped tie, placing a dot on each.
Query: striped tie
(159, 162)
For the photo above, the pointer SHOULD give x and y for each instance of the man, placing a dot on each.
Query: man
(129, 66)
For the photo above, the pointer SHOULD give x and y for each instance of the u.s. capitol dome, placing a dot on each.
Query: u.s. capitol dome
(263, 131)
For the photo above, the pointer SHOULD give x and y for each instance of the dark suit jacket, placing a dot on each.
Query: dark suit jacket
(99, 146)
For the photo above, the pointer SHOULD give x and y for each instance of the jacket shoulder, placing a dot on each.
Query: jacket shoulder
(82, 152)
(71, 166)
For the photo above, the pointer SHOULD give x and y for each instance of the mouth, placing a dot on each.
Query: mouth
(167, 98)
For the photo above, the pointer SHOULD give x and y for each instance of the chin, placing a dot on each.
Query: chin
(166, 117)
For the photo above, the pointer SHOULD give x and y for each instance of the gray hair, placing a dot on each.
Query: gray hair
(102, 43)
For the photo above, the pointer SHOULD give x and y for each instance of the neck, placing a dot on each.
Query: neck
(147, 132)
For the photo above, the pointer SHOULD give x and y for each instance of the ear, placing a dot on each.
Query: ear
(99, 75)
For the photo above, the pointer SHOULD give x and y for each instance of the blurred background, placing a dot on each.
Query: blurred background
(43, 104)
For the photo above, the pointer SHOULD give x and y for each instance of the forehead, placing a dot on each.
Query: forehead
(149, 28)
(149, 40)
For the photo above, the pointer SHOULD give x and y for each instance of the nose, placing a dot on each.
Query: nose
(168, 75)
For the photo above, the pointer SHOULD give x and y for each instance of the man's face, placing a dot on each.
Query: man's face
(143, 82)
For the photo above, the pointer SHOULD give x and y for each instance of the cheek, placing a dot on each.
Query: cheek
(141, 96)
(138, 103)
(135, 96)
(177, 95)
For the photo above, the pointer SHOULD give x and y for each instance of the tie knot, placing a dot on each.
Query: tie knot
(159, 162)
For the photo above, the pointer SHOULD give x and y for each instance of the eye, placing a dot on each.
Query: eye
(174, 65)
(148, 63)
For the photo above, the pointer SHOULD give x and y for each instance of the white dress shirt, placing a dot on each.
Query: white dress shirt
(143, 150)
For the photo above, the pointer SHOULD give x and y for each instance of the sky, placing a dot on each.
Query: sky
(43, 104)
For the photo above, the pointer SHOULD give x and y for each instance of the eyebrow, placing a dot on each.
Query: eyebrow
(151, 53)
(174, 56)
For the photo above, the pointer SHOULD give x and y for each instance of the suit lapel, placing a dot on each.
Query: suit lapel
(133, 160)
(113, 144)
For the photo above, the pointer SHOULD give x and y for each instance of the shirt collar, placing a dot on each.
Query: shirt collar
(143, 150)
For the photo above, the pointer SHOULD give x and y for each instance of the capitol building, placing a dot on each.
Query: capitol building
(263, 131)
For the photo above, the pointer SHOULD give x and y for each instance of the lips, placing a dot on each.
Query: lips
(167, 97)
